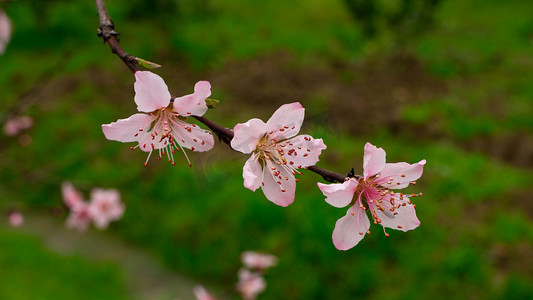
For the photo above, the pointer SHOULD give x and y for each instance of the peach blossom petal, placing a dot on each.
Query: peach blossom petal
(339, 194)
(279, 185)
(401, 173)
(192, 137)
(252, 173)
(303, 151)
(286, 121)
(193, 104)
(373, 160)
(247, 135)
(131, 129)
(151, 92)
(402, 218)
(351, 228)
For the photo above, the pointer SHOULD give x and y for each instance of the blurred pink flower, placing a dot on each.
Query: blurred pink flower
(16, 219)
(373, 192)
(250, 284)
(79, 217)
(276, 152)
(258, 261)
(5, 31)
(105, 207)
(162, 127)
(15, 125)
(202, 294)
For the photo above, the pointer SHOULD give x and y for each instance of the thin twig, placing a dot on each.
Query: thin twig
(108, 33)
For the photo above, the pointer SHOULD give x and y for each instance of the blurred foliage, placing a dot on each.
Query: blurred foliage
(475, 238)
(403, 18)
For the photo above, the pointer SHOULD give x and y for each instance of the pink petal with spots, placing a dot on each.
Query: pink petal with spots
(252, 173)
(373, 160)
(304, 151)
(404, 220)
(247, 135)
(280, 187)
(124, 130)
(351, 228)
(339, 194)
(5, 31)
(401, 173)
(193, 137)
(193, 104)
(286, 121)
(71, 196)
(151, 92)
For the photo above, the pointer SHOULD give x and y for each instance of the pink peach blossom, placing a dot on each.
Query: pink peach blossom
(16, 219)
(258, 261)
(105, 207)
(373, 192)
(202, 294)
(79, 217)
(161, 126)
(277, 152)
(5, 31)
(11, 127)
(250, 284)
(14, 125)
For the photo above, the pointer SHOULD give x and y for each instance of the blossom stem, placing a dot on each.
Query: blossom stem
(110, 36)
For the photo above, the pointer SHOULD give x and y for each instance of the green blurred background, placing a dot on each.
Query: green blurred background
(450, 81)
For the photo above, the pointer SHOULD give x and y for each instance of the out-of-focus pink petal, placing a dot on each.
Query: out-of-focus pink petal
(202, 294)
(5, 31)
(339, 194)
(192, 137)
(252, 173)
(151, 92)
(11, 127)
(247, 135)
(351, 228)
(193, 104)
(250, 284)
(279, 185)
(401, 173)
(79, 218)
(131, 129)
(71, 196)
(402, 218)
(25, 122)
(258, 261)
(105, 206)
(15, 219)
(373, 160)
(303, 151)
(286, 121)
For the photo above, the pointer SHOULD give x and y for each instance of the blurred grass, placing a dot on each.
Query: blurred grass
(474, 241)
(30, 271)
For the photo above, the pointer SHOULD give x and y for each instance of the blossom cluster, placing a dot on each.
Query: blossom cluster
(251, 282)
(14, 125)
(104, 207)
(277, 155)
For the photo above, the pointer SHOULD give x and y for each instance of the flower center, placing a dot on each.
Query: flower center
(276, 156)
(165, 135)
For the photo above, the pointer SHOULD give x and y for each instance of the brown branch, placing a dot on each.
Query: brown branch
(108, 33)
